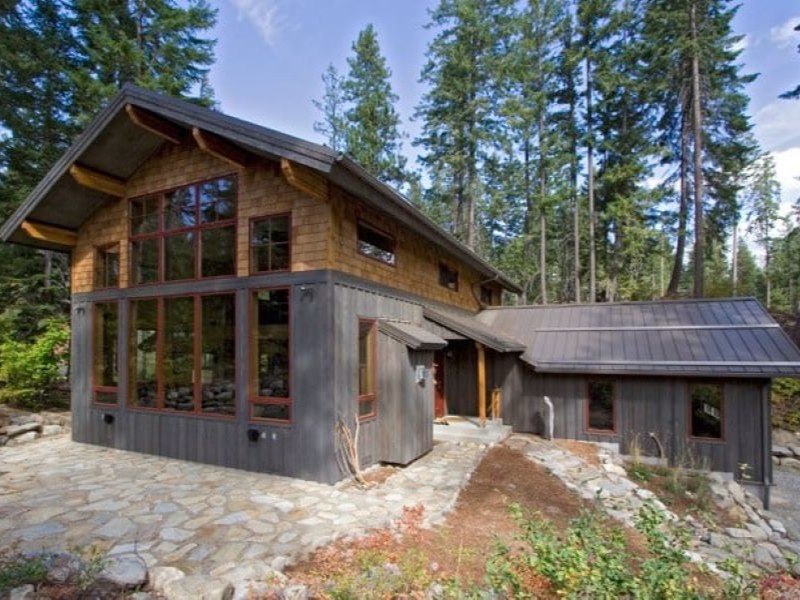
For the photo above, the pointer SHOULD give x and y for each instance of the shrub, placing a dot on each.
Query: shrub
(16, 570)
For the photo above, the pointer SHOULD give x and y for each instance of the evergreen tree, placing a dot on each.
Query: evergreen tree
(332, 106)
(763, 202)
(795, 93)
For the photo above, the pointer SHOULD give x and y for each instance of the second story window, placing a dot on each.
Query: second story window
(376, 244)
(185, 233)
(270, 242)
(448, 277)
(106, 267)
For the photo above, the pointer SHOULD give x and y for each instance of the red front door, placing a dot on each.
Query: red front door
(439, 401)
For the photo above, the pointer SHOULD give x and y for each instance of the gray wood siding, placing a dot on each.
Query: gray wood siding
(461, 378)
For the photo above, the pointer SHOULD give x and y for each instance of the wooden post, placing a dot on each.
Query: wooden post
(481, 383)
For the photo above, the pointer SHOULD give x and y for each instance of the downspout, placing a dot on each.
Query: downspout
(766, 431)
(550, 417)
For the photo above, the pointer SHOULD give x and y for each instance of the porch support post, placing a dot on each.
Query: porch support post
(481, 383)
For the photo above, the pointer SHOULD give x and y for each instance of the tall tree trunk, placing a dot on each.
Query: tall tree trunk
(697, 128)
(767, 278)
(590, 184)
(683, 212)
(542, 207)
(735, 259)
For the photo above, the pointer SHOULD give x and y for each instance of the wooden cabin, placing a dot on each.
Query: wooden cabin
(237, 293)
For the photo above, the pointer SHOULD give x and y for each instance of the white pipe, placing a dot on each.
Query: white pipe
(550, 417)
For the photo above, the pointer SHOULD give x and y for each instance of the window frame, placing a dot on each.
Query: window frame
(251, 247)
(161, 233)
(254, 399)
(371, 397)
(104, 389)
(448, 277)
(361, 223)
(588, 407)
(100, 252)
(690, 412)
(197, 347)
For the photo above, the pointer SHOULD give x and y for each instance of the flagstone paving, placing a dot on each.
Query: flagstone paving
(56, 494)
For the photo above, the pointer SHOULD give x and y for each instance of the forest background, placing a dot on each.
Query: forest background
(593, 150)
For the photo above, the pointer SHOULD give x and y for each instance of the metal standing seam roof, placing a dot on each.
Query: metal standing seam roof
(469, 326)
(411, 335)
(733, 337)
(114, 145)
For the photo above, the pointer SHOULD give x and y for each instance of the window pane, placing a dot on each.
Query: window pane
(180, 208)
(105, 344)
(706, 410)
(143, 341)
(179, 256)
(218, 200)
(366, 408)
(105, 397)
(270, 243)
(218, 250)
(375, 244)
(448, 277)
(178, 359)
(106, 273)
(144, 215)
(144, 261)
(272, 343)
(218, 354)
(601, 405)
(278, 412)
(366, 367)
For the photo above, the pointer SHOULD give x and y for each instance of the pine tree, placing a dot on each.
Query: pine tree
(372, 135)
(332, 106)
(763, 202)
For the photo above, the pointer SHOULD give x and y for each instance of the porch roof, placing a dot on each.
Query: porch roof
(470, 327)
(718, 337)
(411, 335)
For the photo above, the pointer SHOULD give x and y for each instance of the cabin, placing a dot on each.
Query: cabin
(239, 295)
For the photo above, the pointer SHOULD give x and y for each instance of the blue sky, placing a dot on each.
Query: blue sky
(271, 55)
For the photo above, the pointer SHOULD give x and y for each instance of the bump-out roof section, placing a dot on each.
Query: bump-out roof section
(411, 335)
(731, 337)
(116, 146)
(470, 327)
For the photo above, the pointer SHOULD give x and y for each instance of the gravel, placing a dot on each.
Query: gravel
(783, 497)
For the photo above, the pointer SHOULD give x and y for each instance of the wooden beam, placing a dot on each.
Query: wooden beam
(96, 180)
(155, 124)
(481, 383)
(49, 233)
(220, 148)
(304, 179)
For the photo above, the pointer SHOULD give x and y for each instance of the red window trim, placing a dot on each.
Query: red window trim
(363, 223)
(373, 350)
(97, 251)
(106, 389)
(587, 404)
(197, 346)
(254, 399)
(705, 440)
(253, 221)
(161, 233)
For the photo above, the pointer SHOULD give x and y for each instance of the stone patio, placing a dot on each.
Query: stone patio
(56, 494)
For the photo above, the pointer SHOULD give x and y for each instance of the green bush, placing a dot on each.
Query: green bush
(786, 403)
(16, 570)
(30, 368)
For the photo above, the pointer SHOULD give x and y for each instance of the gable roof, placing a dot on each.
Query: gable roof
(114, 145)
(720, 337)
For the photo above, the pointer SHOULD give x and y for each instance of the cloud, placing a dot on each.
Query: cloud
(775, 125)
(787, 170)
(785, 35)
(263, 15)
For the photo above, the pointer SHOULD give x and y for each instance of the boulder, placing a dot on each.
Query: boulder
(198, 587)
(23, 592)
(126, 571)
(160, 577)
(781, 451)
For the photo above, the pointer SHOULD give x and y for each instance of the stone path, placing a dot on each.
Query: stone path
(56, 494)
(761, 541)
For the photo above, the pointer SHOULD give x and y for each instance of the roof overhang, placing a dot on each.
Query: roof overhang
(411, 335)
(473, 329)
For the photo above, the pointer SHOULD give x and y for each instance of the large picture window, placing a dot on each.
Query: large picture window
(271, 397)
(185, 233)
(105, 363)
(183, 354)
(270, 243)
(600, 407)
(706, 410)
(367, 388)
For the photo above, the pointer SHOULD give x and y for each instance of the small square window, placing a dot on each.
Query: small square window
(106, 271)
(486, 297)
(707, 410)
(376, 244)
(448, 277)
(601, 406)
(270, 242)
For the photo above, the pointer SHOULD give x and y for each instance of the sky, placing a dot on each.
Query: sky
(271, 55)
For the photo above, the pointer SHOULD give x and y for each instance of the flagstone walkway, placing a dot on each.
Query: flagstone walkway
(56, 494)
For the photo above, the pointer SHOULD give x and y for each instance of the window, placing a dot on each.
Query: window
(448, 277)
(185, 233)
(270, 244)
(486, 295)
(270, 399)
(600, 407)
(706, 410)
(183, 354)
(366, 368)
(375, 244)
(105, 365)
(106, 267)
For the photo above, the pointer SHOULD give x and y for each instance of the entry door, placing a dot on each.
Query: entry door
(439, 401)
